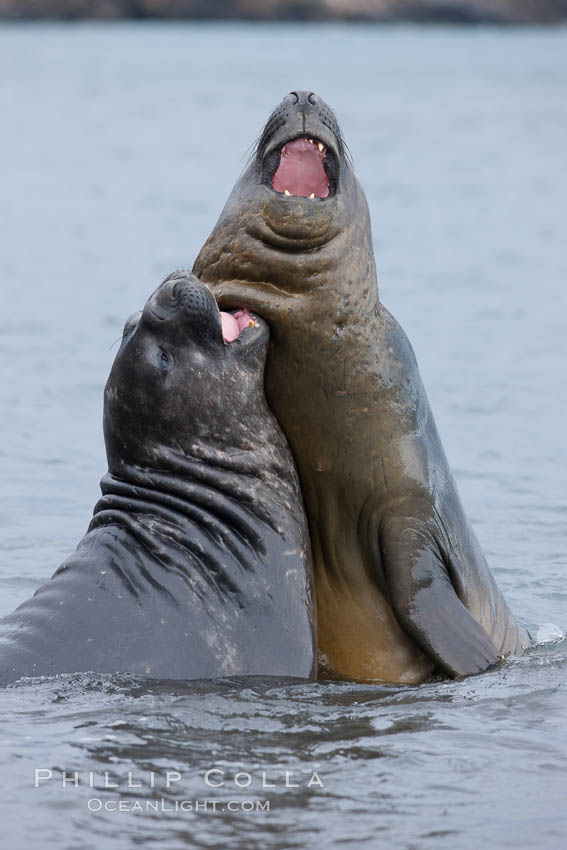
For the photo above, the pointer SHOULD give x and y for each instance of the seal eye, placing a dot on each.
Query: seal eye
(164, 359)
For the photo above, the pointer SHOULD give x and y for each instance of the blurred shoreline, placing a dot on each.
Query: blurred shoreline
(417, 11)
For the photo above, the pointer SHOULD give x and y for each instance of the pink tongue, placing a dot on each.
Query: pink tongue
(230, 329)
(301, 170)
(234, 323)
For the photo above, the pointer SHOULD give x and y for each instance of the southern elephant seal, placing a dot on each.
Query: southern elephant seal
(197, 562)
(402, 585)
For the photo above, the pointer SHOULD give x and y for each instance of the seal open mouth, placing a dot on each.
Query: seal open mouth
(235, 322)
(301, 169)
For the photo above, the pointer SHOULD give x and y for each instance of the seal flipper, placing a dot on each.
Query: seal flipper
(425, 602)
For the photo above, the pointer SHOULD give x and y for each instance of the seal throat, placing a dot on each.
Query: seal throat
(302, 169)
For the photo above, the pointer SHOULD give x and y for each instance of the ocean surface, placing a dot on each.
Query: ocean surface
(118, 146)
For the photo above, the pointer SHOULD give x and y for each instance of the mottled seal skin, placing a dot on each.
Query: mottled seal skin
(197, 560)
(403, 589)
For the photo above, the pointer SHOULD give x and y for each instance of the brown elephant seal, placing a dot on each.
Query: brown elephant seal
(197, 561)
(402, 586)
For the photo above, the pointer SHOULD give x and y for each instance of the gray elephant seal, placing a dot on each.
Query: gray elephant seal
(402, 586)
(197, 561)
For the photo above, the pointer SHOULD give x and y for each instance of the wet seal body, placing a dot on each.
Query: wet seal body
(402, 586)
(197, 561)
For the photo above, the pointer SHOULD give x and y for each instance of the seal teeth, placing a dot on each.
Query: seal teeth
(320, 145)
(288, 194)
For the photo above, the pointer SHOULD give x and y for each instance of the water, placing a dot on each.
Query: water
(119, 145)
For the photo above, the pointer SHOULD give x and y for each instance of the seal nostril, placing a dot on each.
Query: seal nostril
(312, 98)
(295, 95)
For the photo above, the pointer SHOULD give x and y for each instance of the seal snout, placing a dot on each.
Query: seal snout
(304, 99)
(183, 297)
(301, 147)
(181, 294)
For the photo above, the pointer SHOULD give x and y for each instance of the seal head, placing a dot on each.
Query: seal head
(173, 360)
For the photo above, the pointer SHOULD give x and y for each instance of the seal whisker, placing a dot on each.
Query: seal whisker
(118, 339)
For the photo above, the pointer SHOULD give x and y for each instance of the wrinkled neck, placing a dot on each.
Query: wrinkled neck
(232, 488)
(247, 267)
(192, 530)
